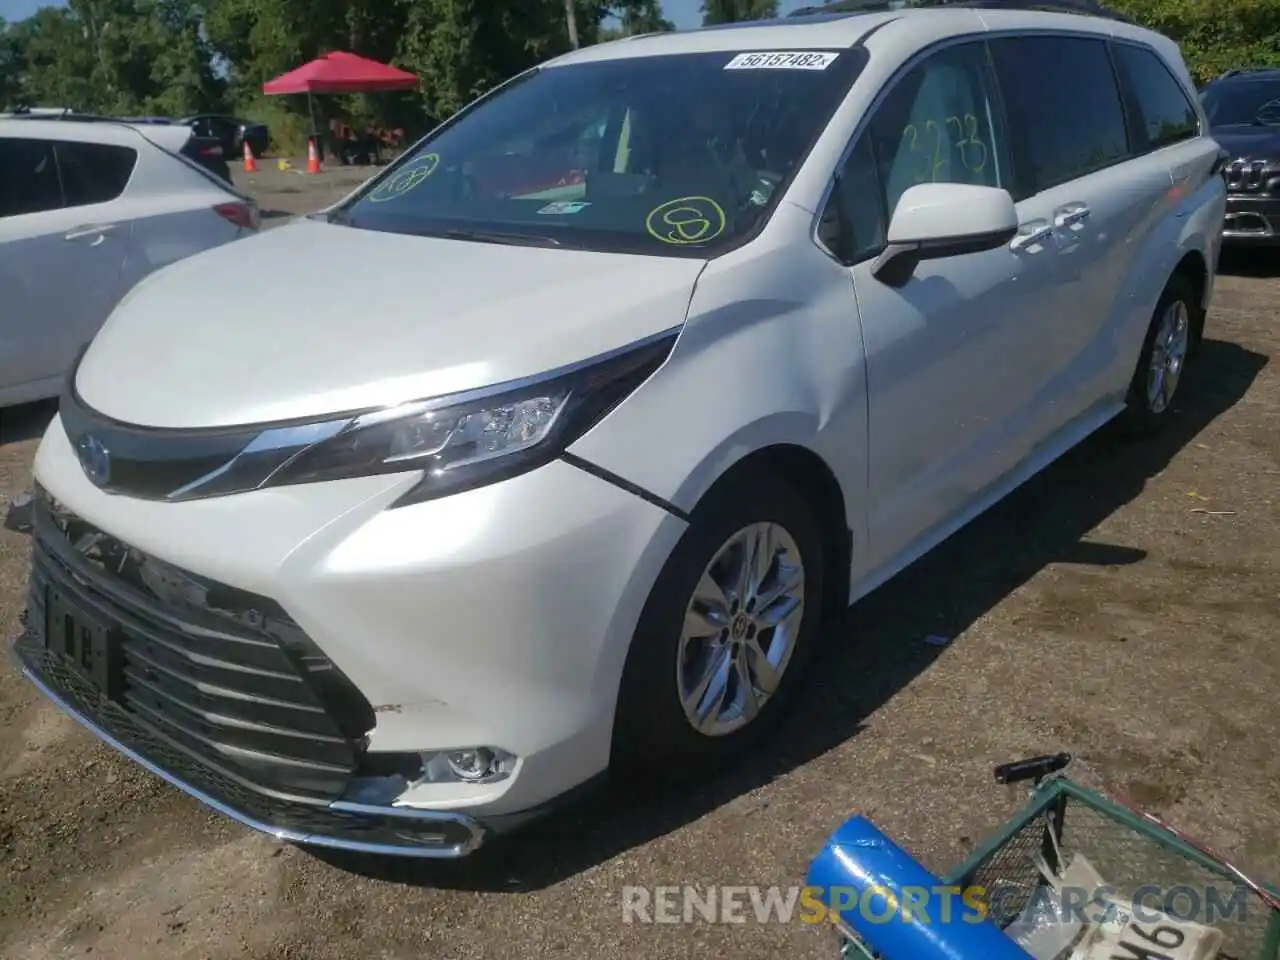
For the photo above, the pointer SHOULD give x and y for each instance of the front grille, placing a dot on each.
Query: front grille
(305, 819)
(212, 683)
(1247, 176)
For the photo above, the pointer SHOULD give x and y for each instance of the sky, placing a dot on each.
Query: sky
(13, 10)
(684, 13)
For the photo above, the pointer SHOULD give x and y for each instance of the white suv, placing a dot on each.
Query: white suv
(87, 209)
(551, 446)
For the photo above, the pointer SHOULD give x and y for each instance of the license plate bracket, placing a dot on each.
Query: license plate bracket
(86, 643)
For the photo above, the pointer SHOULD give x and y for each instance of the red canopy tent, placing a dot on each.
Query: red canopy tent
(339, 72)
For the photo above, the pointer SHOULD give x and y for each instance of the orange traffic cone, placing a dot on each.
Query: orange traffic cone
(313, 157)
(250, 164)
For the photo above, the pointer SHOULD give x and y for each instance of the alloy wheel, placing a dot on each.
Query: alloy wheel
(1168, 355)
(740, 629)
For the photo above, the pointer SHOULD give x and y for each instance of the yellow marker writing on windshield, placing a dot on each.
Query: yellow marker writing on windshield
(686, 220)
(406, 179)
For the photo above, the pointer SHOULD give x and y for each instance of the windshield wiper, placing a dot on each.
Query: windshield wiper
(490, 236)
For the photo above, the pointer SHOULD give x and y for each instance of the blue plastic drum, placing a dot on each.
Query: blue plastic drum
(897, 907)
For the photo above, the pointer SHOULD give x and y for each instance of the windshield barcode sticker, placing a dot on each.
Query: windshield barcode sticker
(782, 60)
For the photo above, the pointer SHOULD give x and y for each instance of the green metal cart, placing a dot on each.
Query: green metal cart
(1141, 857)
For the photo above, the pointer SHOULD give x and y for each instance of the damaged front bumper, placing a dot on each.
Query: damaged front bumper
(339, 825)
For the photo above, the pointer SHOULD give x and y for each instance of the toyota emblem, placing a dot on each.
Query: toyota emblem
(95, 459)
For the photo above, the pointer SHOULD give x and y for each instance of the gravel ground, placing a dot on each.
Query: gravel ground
(1123, 606)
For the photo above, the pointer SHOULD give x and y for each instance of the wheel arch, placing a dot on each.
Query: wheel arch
(800, 478)
(1170, 252)
(812, 477)
(1195, 268)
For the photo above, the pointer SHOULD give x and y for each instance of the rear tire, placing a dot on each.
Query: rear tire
(1166, 353)
(739, 630)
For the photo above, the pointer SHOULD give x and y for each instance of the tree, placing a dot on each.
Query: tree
(641, 16)
(175, 57)
(461, 48)
(57, 62)
(1215, 35)
(111, 56)
(571, 17)
(10, 66)
(735, 11)
(261, 39)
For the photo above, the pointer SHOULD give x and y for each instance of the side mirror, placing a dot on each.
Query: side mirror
(935, 220)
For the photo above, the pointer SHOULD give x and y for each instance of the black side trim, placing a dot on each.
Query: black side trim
(898, 261)
(873, 31)
(610, 477)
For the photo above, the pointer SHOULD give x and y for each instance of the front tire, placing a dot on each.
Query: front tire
(726, 633)
(1168, 348)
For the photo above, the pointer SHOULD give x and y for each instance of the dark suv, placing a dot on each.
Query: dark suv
(232, 133)
(1243, 107)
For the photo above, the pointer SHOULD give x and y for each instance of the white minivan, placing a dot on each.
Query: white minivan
(550, 447)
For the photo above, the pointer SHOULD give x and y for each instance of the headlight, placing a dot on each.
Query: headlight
(472, 439)
(458, 441)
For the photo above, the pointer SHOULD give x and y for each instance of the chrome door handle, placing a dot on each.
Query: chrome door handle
(1031, 233)
(1070, 214)
(89, 230)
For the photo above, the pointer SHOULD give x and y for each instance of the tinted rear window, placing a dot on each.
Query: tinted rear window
(94, 172)
(673, 155)
(28, 177)
(1165, 114)
(1064, 106)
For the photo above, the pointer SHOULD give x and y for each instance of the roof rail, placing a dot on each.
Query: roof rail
(1092, 8)
(1245, 71)
(848, 6)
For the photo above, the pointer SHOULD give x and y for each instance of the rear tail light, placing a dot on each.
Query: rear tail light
(244, 215)
(214, 151)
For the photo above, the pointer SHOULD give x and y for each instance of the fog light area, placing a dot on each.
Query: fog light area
(384, 777)
(476, 765)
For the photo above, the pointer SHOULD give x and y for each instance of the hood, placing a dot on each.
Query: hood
(1249, 142)
(313, 318)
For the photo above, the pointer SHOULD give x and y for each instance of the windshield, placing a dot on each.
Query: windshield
(670, 155)
(1242, 102)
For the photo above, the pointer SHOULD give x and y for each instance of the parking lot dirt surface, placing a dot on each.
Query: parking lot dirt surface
(282, 194)
(1124, 606)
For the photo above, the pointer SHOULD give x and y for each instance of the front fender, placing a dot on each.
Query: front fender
(771, 353)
